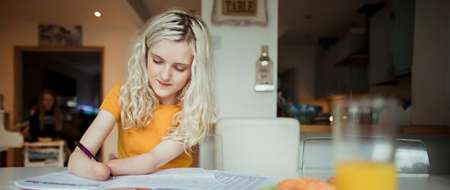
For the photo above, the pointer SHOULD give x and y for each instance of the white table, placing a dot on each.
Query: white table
(406, 182)
(9, 175)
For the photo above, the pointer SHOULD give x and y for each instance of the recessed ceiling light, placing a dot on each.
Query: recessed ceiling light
(97, 14)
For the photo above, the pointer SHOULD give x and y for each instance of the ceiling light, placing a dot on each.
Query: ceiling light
(97, 14)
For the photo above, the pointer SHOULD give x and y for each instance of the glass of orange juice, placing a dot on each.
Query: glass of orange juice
(364, 143)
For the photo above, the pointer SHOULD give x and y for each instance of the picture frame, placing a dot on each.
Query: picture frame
(239, 12)
(59, 35)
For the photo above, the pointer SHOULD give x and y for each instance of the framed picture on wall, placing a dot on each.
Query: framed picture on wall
(59, 35)
(239, 12)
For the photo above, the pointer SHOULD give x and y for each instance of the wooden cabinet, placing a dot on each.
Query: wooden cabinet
(402, 36)
(324, 76)
(341, 68)
(351, 78)
(391, 39)
(335, 79)
(381, 67)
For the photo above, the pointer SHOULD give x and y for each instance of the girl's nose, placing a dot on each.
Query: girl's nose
(165, 73)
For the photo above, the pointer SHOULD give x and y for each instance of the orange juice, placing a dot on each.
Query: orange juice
(365, 175)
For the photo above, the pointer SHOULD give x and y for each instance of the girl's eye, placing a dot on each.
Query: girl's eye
(180, 68)
(157, 61)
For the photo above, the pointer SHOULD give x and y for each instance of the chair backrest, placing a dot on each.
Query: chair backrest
(8, 139)
(316, 155)
(207, 152)
(263, 146)
(44, 154)
(411, 156)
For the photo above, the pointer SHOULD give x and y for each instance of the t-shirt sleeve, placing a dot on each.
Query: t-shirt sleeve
(111, 102)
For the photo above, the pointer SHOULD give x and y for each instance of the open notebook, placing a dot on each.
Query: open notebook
(170, 179)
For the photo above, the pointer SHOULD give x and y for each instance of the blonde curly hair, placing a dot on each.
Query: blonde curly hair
(196, 99)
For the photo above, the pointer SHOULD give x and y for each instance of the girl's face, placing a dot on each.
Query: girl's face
(48, 101)
(169, 68)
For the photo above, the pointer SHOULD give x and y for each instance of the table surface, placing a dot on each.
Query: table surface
(9, 175)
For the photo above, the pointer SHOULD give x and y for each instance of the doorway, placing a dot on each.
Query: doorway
(74, 75)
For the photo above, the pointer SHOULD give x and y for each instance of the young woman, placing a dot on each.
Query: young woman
(46, 118)
(165, 106)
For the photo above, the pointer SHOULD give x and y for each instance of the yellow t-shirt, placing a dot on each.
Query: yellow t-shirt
(135, 141)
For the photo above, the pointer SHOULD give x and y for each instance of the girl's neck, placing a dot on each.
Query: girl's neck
(168, 101)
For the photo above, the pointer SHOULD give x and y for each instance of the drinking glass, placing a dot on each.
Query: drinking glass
(364, 143)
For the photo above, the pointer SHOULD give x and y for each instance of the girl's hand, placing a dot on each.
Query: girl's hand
(112, 164)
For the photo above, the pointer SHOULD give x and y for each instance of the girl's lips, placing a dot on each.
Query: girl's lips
(163, 83)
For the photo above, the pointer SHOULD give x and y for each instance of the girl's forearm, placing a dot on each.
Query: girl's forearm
(136, 165)
(148, 162)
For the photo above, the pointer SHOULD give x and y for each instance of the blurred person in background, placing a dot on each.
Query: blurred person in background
(45, 119)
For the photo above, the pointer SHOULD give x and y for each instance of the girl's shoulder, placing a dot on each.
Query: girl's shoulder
(111, 101)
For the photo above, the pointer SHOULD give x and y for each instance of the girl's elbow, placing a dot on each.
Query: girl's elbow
(85, 168)
(102, 172)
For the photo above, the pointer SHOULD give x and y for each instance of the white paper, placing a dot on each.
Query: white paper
(59, 180)
(173, 179)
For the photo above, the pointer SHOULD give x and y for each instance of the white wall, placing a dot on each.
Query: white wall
(236, 51)
(430, 70)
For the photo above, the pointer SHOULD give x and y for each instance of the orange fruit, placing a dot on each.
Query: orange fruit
(303, 184)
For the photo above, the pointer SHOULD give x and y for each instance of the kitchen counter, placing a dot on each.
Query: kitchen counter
(405, 130)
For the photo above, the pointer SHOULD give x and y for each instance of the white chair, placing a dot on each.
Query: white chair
(316, 155)
(44, 154)
(207, 152)
(8, 139)
(262, 146)
(411, 156)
